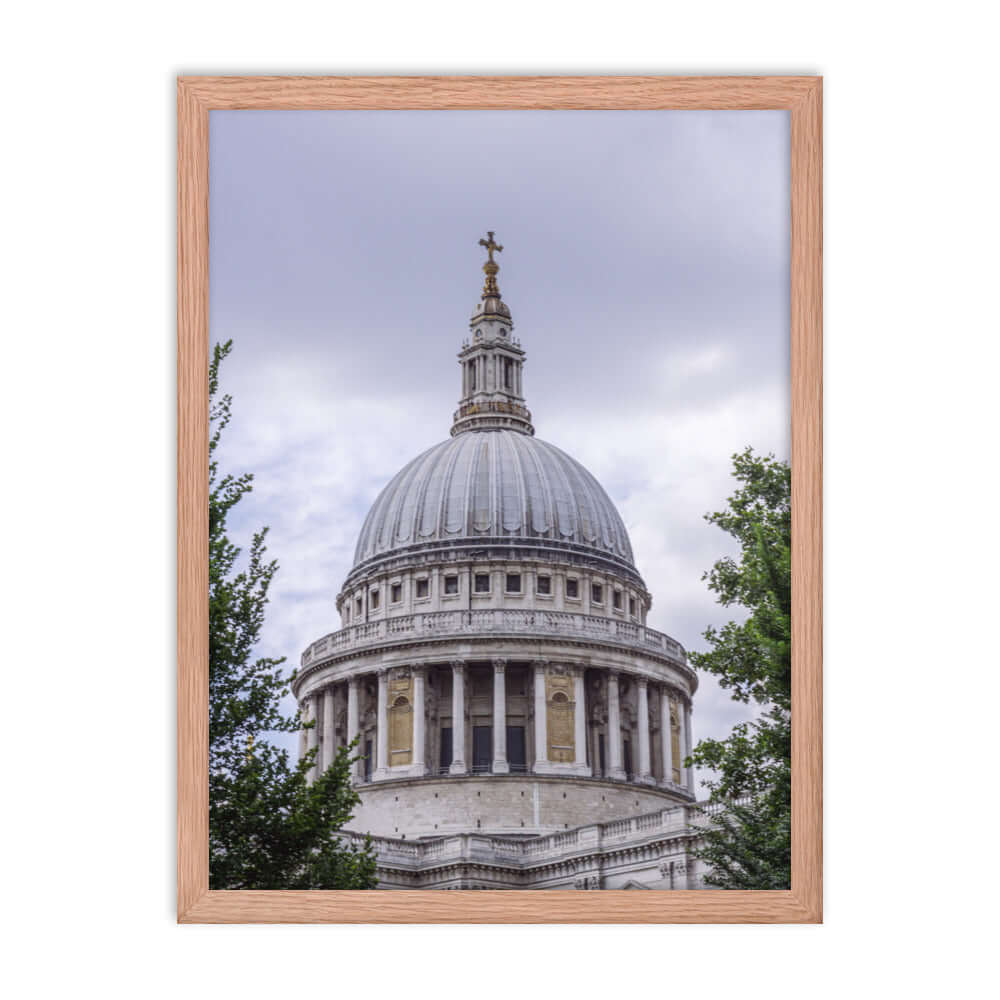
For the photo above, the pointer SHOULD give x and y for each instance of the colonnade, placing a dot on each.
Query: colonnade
(542, 763)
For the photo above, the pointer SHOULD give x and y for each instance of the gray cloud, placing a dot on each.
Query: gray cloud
(646, 266)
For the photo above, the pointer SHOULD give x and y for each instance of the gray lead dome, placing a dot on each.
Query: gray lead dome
(493, 486)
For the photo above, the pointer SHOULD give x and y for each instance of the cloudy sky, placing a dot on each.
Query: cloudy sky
(646, 266)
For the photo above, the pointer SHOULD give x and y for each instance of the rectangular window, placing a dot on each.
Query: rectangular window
(596, 593)
(631, 606)
(358, 608)
(444, 760)
(482, 749)
(368, 760)
(482, 583)
(616, 599)
(397, 593)
(513, 583)
(373, 599)
(544, 585)
(421, 588)
(572, 588)
(627, 754)
(451, 584)
(517, 757)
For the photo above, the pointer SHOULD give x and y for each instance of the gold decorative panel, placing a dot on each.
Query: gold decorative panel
(400, 722)
(559, 716)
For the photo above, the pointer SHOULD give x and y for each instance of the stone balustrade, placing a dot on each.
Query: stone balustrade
(493, 622)
(520, 851)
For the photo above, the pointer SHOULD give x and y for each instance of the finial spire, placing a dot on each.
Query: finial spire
(492, 360)
(491, 267)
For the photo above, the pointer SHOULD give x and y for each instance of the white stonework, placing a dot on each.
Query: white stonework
(494, 661)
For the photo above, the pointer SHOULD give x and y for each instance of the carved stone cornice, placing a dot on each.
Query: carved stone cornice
(426, 645)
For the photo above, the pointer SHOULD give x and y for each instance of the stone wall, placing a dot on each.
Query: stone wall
(498, 804)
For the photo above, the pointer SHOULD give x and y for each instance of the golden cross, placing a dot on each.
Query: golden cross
(490, 245)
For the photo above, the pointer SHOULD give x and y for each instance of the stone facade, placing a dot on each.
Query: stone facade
(646, 851)
(520, 725)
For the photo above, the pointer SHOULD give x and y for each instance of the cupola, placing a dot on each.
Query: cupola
(492, 362)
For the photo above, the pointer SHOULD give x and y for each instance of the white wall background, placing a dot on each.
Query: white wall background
(911, 547)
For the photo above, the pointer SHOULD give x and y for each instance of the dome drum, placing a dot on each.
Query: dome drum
(594, 728)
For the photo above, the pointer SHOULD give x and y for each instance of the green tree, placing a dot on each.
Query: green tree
(749, 844)
(269, 828)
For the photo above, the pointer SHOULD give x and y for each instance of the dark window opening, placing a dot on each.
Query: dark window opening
(602, 766)
(513, 583)
(627, 755)
(572, 588)
(358, 607)
(517, 756)
(368, 760)
(451, 584)
(444, 760)
(482, 583)
(631, 606)
(422, 586)
(482, 749)
(544, 585)
(397, 593)
(596, 593)
(616, 599)
(373, 599)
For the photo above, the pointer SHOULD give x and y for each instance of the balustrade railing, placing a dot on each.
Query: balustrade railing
(492, 620)
(676, 820)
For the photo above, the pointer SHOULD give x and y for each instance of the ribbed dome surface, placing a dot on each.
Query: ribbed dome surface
(495, 484)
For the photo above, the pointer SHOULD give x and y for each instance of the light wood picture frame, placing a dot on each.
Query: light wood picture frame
(801, 97)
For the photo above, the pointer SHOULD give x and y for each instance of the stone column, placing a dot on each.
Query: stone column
(541, 729)
(382, 728)
(580, 721)
(312, 740)
(682, 740)
(687, 748)
(419, 735)
(645, 768)
(500, 765)
(329, 750)
(457, 717)
(666, 738)
(615, 769)
(353, 725)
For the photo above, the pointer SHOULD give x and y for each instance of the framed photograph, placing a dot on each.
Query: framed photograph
(499, 499)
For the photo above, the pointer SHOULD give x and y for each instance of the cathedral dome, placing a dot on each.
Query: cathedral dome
(493, 487)
(493, 661)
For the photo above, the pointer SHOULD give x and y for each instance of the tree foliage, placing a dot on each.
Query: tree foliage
(269, 828)
(749, 845)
